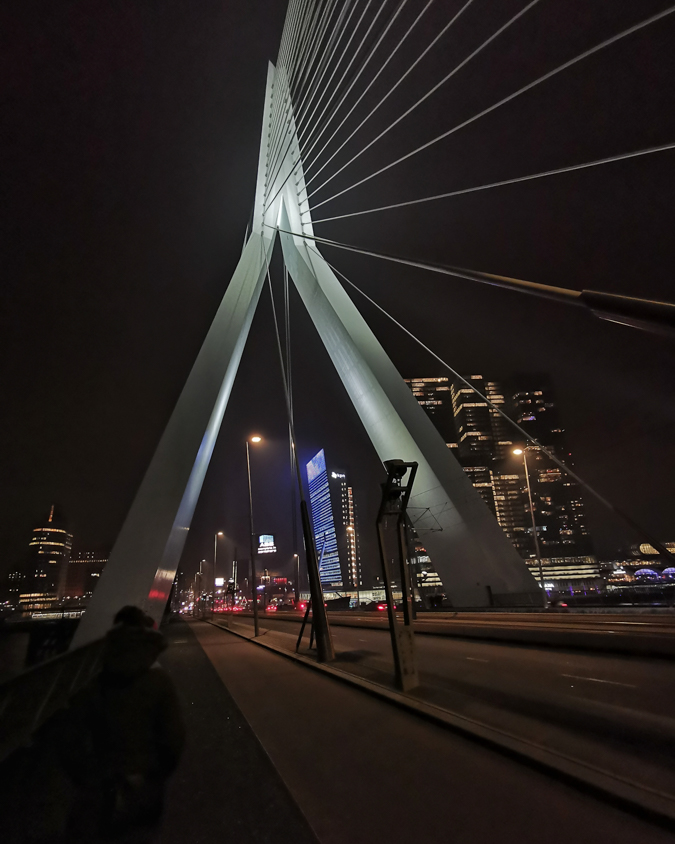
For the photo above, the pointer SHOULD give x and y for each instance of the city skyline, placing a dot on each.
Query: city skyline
(99, 331)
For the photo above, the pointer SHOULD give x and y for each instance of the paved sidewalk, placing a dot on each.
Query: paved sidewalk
(226, 788)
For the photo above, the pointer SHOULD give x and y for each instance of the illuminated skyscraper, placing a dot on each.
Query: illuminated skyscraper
(45, 574)
(434, 396)
(335, 525)
(484, 447)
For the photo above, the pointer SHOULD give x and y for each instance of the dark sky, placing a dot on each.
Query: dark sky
(130, 142)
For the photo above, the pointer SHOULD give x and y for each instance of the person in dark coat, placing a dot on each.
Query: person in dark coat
(134, 725)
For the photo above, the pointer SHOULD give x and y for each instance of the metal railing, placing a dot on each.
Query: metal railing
(28, 700)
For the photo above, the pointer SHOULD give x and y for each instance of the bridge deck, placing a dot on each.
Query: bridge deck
(363, 771)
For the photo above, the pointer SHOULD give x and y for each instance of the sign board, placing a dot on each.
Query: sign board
(266, 544)
(220, 581)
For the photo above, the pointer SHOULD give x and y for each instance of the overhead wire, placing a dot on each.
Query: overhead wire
(568, 169)
(509, 98)
(431, 91)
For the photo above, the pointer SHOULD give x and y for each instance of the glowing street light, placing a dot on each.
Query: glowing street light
(256, 627)
(215, 555)
(523, 451)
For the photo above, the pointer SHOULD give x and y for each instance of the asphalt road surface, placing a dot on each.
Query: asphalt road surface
(609, 710)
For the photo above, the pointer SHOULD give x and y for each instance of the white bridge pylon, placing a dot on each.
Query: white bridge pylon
(468, 549)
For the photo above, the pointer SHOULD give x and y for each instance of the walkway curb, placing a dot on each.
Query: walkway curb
(647, 803)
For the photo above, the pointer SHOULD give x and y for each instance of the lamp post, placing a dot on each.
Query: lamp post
(534, 525)
(215, 555)
(296, 574)
(254, 591)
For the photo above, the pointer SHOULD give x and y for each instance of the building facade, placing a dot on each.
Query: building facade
(41, 581)
(82, 576)
(484, 443)
(335, 524)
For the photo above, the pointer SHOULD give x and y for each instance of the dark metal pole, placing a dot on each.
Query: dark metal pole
(534, 531)
(254, 591)
(394, 502)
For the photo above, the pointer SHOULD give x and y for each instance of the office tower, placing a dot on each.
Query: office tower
(434, 396)
(485, 443)
(82, 575)
(558, 505)
(483, 435)
(335, 525)
(45, 572)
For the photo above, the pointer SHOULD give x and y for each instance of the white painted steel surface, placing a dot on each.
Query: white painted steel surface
(470, 553)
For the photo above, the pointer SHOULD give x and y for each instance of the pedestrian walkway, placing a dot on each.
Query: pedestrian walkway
(226, 787)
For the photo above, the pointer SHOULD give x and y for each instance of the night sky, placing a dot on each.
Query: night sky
(129, 149)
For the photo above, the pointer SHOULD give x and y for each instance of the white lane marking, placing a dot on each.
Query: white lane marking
(596, 680)
(476, 659)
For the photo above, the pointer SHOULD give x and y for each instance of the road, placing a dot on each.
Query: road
(366, 772)
(611, 710)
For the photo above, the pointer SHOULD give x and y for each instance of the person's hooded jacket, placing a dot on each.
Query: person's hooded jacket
(133, 711)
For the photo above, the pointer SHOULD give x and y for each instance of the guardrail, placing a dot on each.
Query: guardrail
(29, 699)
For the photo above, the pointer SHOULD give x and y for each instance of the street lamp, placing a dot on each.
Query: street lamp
(256, 626)
(534, 525)
(215, 554)
(296, 574)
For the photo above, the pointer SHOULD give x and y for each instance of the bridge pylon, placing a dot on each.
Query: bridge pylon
(470, 552)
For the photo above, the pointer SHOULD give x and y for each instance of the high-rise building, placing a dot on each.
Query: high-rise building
(335, 525)
(485, 443)
(482, 433)
(82, 575)
(434, 396)
(44, 576)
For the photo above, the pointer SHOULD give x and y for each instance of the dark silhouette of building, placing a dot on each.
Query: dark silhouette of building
(82, 575)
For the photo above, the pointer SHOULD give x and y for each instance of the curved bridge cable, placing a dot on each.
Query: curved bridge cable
(429, 93)
(569, 169)
(505, 100)
(495, 407)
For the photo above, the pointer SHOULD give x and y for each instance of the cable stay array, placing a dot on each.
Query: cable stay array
(332, 58)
